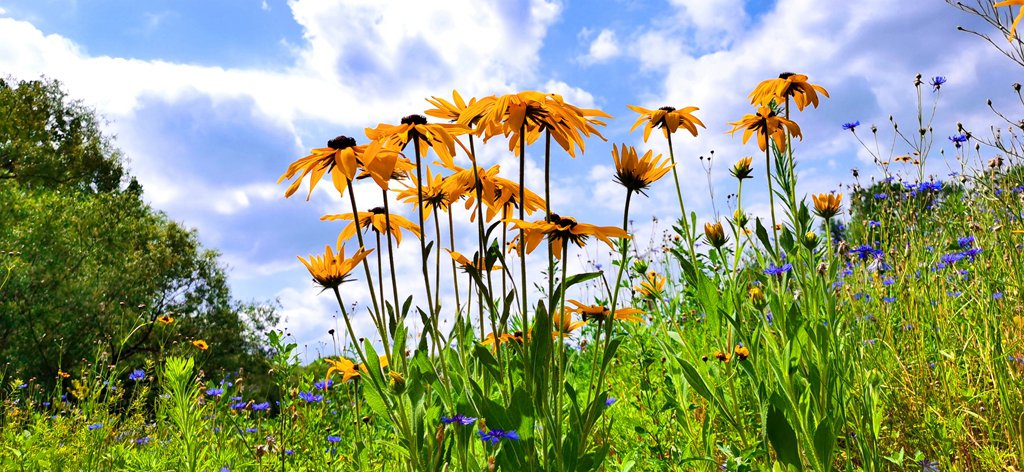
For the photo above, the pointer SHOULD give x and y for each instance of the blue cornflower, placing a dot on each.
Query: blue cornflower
(238, 406)
(888, 299)
(773, 270)
(333, 439)
(997, 295)
(137, 375)
(459, 418)
(96, 426)
(888, 281)
(215, 392)
(874, 224)
(496, 435)
(311, 397)
(928, 466)
(851, 125)
(952, 258)
(225, 469)
(610, 401)
(864, 252)
(972, 252)
(236, 399)
(22, 386)
(954, 294)
(770, 318)
(323, 385)
(937, 82)
(289, 452)
(251, 430)
(881, 196)
(965, 242)
(261, 406)
(958, 140)
(142, 441)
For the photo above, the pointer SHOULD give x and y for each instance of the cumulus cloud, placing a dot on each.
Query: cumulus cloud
(604, 48)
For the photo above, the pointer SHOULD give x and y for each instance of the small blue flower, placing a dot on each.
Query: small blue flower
(888, 299)
(958, 140)
(137, 375)
(459, 418)
(773, 270)
(610, 401)
(96, 426)
(215, 392)
(965, 242)
(997, 296)
(142, 441)
(888, 281)
(495, 435)
(874, 224)
(928, 466)
(261, 406)
(851, 125)
(323, 385)
(251, 430)
(333, 439)
(311, 397)
(289, 452)
(238, 406)
(881, 196)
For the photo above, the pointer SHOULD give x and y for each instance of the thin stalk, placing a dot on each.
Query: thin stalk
(369, 278)
(771, 198)
(685, 219)
(455, 274)
(380, 270)
(423, 244)
(391, 258)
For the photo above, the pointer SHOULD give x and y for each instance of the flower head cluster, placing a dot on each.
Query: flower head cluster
(767, 124)
(668, 119)
(561, 230)
(637, 173)
(787, 85)
(330, 270)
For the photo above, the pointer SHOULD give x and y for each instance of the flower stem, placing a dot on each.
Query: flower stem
(685, 218)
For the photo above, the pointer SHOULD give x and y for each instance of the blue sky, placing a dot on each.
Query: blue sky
(212, 99)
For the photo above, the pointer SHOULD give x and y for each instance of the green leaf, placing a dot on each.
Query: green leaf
(824, 443)
(782, 438)
(762, 235)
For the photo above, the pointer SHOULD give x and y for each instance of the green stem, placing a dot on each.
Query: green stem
(685, 218)
(378, 319)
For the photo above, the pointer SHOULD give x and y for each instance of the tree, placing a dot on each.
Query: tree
(95, 266)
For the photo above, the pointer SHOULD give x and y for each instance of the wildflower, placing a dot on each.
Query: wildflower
(477, 264)
(311, 397)
(787, 85)
(414, 128)
(465, 113)
(600, 312)
(341, 158)
(773, 270)
(652, 286)
(333, 439)
(396, 382)
(458, 418)
(239, 405)
(965, 242)
(376, 219)
(740, 218)
(94, 427)
(757, 296)
(261, 406)
(215, 392)
(330, 271)
(142, 441)
(503, 338)
(137, 375)
(524, 115)
(564, 324)
(742, 353)
(637, 174)
(721, 356)
(767, 124)
(827, 205)
(937, 82)
(888, 281)
(495, 435)
(200, 344)
(958, 140)
(997, 296)
(888, 299)
(669, 119)
(741, 169)
(432, 190)
(928, 465)
(323, 384)
(881, 196)
(610, 401)
(1020, 14)
(851, 126)
(348, 369)
(715, 234)
(561, 230)
(165, 320)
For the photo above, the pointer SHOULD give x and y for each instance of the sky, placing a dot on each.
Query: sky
(212, 99)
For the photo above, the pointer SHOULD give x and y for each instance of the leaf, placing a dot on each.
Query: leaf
(762, 235)
(824, 443)
(782, 438)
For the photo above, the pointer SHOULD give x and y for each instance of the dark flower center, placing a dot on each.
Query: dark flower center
(341, 142)
(786, 75)
(377, 210)
(668, 109)
(414, 120)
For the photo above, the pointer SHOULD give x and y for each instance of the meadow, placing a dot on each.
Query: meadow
(877, 327)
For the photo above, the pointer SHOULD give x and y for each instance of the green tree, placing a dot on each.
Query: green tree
(95, 265)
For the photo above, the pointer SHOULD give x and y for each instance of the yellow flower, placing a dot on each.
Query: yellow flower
(652, 286)
(331, 271)
(348, 369)
(767, 124)
(827, 205)
(165, 319)
(200, 344)
(564, 324)
(376, 219)
(601, 312)
(433, 191)
(466, 114)
(466, 264)
(499, 194)
(669, 119)
(715, 234)
(742, 353)
(503, 338)
(757, 296)
(439, 137)
(787, 85)
(563, 229)
(1020, 14)
(740, 218)
(742, 170)
(637, 173)
(532, 113)
(341, 158)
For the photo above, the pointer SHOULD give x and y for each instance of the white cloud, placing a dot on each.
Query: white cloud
(604, 48)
